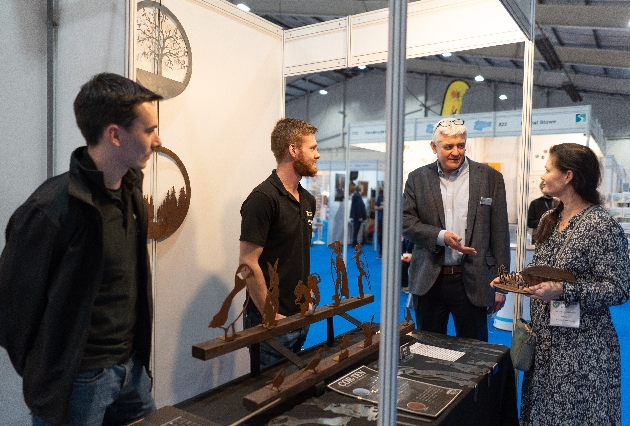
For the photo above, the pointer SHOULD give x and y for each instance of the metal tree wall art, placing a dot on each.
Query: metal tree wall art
(172, 211)
(164, 58)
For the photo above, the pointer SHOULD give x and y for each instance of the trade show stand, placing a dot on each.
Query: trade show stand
(482, 378)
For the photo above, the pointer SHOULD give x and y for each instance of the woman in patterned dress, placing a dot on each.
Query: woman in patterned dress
(575, 377)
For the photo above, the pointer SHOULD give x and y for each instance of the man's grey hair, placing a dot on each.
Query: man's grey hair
(449, 127)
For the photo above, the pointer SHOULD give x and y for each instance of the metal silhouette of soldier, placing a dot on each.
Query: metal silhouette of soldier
(339, 274)
(362, 267)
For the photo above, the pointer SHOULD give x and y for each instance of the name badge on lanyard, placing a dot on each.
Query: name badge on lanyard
(563, 315)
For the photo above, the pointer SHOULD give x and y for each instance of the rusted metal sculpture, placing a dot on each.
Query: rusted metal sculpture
(243, 272)
(339, 273)
(277, 381)
(314, 362)
(344, 348)
(272, 302)
(359, 257)
(307, 296)
(368, 330)
(517, 282)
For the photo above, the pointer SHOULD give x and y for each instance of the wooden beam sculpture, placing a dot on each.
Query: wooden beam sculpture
(243, 272)
(216, 347)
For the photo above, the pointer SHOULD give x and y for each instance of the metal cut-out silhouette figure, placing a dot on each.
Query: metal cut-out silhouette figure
(362, 267)
(344, 348)
(313, 363)
(243, 272)
(277, 381)
(339, 273)
(308, 295)
(272, 301)
(367, 329)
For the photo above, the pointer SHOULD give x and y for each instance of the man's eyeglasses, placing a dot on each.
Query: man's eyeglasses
(448, 121)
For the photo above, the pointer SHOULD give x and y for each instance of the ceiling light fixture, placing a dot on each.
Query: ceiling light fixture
(243, 7)
(479, 78)
(502, 97)
(323, 92)
(447, 54)
(362, 67)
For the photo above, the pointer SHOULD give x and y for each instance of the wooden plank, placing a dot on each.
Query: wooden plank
(302, 380)
(216, 347)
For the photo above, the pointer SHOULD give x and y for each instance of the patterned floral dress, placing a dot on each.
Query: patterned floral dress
(575, 378)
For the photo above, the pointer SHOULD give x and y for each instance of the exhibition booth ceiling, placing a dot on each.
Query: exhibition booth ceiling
(581, 44)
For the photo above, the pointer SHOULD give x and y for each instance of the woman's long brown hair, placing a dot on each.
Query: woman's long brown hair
(584, 164)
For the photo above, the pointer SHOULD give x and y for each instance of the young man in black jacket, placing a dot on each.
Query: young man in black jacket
(75, 290)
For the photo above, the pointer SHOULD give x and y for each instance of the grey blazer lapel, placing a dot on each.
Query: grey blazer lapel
(474, 185)
(436, 193)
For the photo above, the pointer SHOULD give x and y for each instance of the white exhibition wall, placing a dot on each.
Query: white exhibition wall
(92, 37)
(219, 127)
(23, 143)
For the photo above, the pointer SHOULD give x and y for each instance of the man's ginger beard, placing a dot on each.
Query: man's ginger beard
(303, 167)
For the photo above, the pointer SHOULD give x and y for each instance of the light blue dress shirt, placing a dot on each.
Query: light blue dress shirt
(455, 196)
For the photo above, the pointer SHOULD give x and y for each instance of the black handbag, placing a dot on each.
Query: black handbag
(523, 345)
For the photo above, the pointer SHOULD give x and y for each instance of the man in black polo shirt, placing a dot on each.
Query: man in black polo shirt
(75, 291)
(276, 225)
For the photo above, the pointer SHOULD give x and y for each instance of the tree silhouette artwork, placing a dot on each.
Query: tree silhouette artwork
(172, 211)
(164, 55)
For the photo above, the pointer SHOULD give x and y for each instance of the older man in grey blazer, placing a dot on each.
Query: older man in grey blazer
(455, 212)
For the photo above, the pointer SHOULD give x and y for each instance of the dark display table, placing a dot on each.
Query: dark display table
(484, 374)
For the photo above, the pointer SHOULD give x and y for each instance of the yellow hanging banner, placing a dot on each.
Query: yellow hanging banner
(453, 97)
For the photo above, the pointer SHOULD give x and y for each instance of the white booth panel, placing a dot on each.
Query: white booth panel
(92, 37)
(23, 145)
(487, 24)
(219, 127)
(316, 47)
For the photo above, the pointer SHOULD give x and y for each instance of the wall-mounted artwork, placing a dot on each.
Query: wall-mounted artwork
(170, 214)
(364, 187)
(163, 55)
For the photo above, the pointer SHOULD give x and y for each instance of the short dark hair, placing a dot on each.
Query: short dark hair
(108, 99)
(289, 131)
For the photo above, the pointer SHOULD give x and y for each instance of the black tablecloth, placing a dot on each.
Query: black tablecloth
(484, 374)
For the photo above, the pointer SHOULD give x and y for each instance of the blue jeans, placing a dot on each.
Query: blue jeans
(109, 396)
(293, 340)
